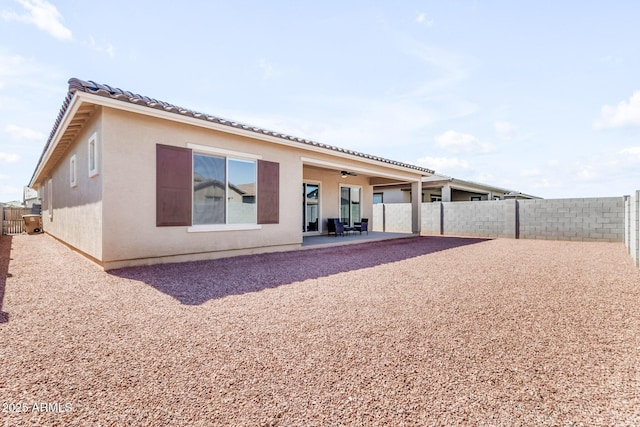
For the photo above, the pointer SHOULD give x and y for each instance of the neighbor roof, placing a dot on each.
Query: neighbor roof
(77, 85)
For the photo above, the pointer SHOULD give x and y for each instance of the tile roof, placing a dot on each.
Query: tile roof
(77, 85)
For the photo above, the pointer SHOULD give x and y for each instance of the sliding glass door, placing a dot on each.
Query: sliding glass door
(350, 210)
(310, 207)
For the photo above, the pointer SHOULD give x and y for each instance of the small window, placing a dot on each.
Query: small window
(378, 198)
(435, 198)
(476, 198)
(93, 155)
(50, 198)
(72, 172)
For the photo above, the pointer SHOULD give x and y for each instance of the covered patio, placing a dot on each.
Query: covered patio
(323, 240)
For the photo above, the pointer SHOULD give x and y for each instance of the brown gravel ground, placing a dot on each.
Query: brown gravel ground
(423, 331)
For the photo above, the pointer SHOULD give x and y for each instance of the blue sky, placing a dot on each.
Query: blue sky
(539, 97)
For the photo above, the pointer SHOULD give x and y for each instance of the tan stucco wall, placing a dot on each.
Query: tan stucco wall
(112, 216)
(77, 212)
(130, 192)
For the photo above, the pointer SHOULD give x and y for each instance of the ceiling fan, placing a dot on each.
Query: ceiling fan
(346, 174)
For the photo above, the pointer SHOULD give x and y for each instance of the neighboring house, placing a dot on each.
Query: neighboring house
(441, 188)
(127, 180)
(30, 197)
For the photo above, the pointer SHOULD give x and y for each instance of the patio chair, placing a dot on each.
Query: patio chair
(362, 226)
(339, 227)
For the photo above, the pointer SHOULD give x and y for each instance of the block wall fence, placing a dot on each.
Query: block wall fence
(632, 226)
(598, 219)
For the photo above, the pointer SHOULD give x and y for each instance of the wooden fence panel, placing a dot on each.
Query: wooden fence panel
(12, 222)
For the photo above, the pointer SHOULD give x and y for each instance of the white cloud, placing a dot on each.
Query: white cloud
(422, 19)
(106, 47)
(631, 151)
(448, 68)
(18, 132)
(376, 125)
(587, 172)
(447, 165)
(267, 69)
(530, 172)
(14, 66)
(43, 15)
(9, 158)
(626, 113)
(505, 130)
(456, 142)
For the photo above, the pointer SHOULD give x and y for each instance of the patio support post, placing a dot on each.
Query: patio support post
(446, 193)
(416, 207)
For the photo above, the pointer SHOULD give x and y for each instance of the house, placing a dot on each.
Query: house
(127, 180)
(30, 197)
(442, 188)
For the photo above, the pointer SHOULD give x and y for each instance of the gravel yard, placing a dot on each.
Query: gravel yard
(427, 331)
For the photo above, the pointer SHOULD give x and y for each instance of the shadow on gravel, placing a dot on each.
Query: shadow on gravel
(5, 257)
(194, 283)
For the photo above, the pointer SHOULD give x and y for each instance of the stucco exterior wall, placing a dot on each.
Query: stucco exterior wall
(129, 192)
(395, 195)
(76, 214)
(465, 196)
(129, 199)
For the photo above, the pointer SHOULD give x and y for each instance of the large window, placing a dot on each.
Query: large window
(224, 190)
(211, 189)
(350, 205)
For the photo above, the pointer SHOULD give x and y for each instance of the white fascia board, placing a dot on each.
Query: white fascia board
(373, 172)
(476, 187)
(167, 115)
(72, 109)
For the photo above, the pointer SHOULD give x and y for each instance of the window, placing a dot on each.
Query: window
(310, 206)
(475, 198)
(350, 205)
(378, 198)
(224, 190)
(50, 198)
(214, 189)
(435, 198)
(72, 172)
(93, 155)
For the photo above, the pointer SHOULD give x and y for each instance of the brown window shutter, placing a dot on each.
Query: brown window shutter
(173, 186)
(268, 192)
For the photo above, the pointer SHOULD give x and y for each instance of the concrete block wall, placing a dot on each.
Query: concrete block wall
(632, 226)
(431, 218)
(495, 218)
(584, 219)
(377, 221)
(392, 217)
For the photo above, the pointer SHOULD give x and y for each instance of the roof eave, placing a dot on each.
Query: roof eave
(59, 128)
